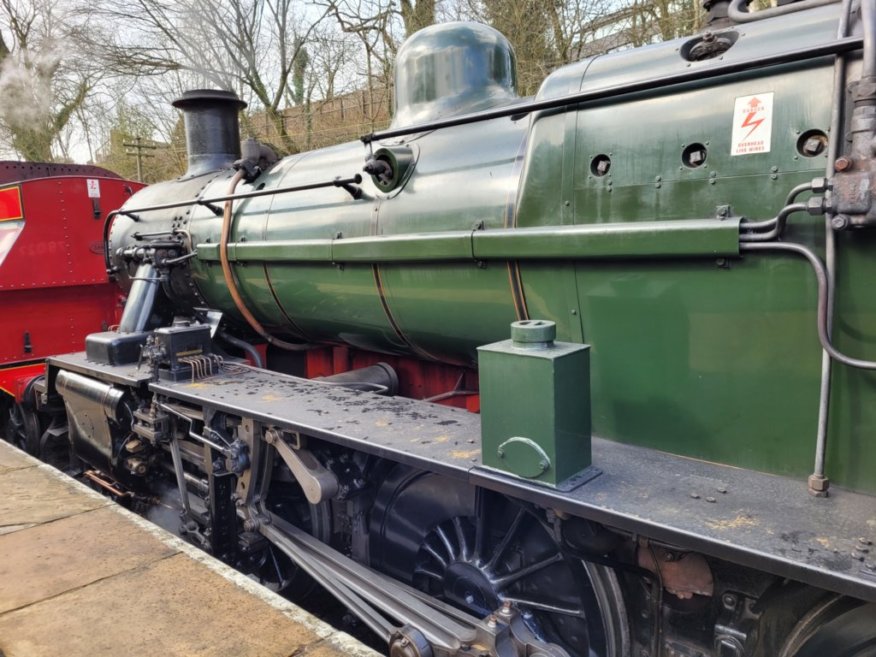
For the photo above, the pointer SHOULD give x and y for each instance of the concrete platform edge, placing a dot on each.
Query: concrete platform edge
(327, 634)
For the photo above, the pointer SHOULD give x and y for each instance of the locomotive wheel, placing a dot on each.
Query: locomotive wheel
(837, 628)
(21, 427)
(272, 568)
(476, 550)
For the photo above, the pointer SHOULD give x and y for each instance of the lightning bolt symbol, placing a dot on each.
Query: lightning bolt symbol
(750, 121)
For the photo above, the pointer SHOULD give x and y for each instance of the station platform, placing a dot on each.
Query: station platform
(81, 576)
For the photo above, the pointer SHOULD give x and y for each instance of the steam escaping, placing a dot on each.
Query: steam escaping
(26, 88)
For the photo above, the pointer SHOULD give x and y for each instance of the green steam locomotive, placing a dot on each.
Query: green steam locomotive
(650, 280)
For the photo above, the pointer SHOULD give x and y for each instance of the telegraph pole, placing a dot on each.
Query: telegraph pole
(138, 147)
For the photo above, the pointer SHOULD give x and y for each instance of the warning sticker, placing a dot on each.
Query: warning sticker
(93, 188)
(752, 124)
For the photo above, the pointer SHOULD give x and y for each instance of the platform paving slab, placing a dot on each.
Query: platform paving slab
(12, 459)
(32, 496)
(71, 553)
(80, 576)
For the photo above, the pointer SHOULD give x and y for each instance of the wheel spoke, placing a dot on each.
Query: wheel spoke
(481, 521)
(435, 554)
(525, 603)
(501, 583)
(431, 574)
(464, 549)
(506, 540)
(445, 539)
(281, 581)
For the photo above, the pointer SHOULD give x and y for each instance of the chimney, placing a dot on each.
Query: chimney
(212, 129)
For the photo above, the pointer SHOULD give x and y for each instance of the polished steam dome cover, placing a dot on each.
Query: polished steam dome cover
(450, 69)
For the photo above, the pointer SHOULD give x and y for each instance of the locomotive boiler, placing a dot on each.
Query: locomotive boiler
(652, 280)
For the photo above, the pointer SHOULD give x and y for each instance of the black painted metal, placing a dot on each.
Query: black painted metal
(223, 514)
(212, 129)
(750, 518)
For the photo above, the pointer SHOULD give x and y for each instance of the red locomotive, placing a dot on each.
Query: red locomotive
(54, 289)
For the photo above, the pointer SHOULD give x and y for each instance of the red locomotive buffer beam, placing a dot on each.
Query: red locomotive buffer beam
(53, 286)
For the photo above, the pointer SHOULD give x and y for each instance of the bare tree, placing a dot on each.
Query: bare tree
(43, 80)
(380, 26)
(579, 27)
(255, 47)
(371, 22)
(130, 123)
(661, 20)
(331, 71)
(416, 14)
(526, 24)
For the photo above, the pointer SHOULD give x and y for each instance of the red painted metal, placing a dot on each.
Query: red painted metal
(10, 204)
(417, 379)
(14, 380)
(53, 286)
(12, 171)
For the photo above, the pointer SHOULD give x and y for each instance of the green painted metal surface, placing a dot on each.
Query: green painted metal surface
(656, 239)
(694, 350)
(535, 404)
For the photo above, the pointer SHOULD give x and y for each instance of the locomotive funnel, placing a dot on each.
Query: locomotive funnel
(212, 129)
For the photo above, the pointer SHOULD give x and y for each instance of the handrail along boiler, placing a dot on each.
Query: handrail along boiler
(674, 450)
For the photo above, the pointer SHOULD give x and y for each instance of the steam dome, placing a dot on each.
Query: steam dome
(451, 69)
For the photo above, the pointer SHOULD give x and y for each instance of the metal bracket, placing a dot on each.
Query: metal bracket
(215, 209)
(735, 624)
(317, 482)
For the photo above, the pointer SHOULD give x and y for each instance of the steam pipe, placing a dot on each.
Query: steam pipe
(818, 481)
(776, 225)
(336, 182)
(246, 346)
(868, 19)
(769, 223)
(141, 299)
(821, 314)
(799, 189)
